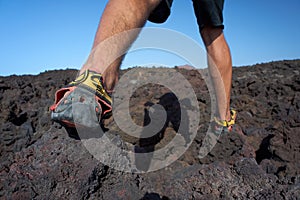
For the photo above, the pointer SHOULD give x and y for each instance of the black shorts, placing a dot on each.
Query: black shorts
(208, 12)
(161, 13)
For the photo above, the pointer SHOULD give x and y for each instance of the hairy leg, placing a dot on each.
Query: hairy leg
(107, 52)
(219, 62)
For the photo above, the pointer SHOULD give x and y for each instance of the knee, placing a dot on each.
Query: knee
(210, 34)
(153, 3)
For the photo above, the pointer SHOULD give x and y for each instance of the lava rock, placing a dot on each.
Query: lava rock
(260, 159)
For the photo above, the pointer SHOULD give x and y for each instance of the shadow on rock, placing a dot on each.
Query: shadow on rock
(153, 196)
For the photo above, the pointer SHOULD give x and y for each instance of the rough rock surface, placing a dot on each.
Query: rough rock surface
(259, 160)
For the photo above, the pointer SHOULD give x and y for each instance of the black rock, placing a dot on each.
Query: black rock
(260, 159)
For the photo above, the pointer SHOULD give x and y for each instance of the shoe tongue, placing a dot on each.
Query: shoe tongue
(100, 77)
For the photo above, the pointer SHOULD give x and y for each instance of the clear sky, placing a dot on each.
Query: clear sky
(39, 35)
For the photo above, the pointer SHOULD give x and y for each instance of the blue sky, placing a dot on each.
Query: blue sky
(39, 35)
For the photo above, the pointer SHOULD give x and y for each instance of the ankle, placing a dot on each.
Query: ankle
(110, 79)
(94, 69)
(228, 116)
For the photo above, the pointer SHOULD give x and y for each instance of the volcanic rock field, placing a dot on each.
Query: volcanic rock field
(260, 159)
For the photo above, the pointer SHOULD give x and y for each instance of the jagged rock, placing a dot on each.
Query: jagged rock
(260, 159)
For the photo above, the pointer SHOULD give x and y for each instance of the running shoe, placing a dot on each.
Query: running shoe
(83, 102)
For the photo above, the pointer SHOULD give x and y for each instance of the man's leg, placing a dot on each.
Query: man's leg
(88, 94)
(219, 62)
(118, 16)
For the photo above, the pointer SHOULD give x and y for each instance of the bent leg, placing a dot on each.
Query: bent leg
(107, 52)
